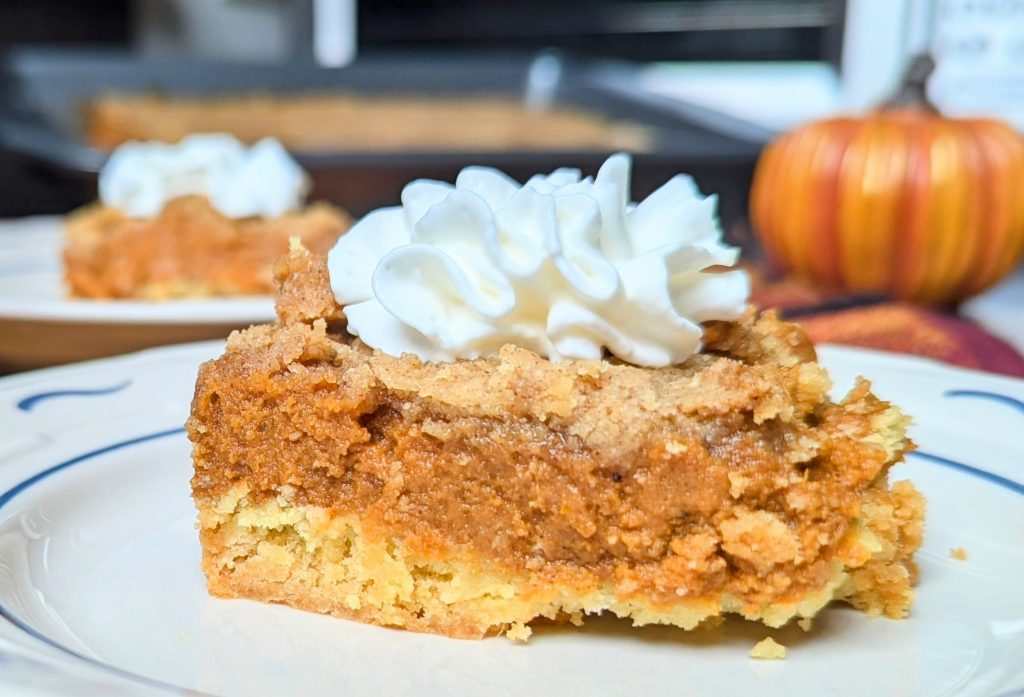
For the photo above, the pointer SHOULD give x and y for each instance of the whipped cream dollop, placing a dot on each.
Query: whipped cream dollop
(564, 266)
(262, 180)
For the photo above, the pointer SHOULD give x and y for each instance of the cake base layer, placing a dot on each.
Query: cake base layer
(468, 498)
(188, 250)
(317, 559)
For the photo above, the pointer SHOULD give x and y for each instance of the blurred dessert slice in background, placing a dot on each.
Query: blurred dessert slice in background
(204, 217)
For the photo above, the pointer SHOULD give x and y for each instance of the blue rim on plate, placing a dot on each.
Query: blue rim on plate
(5, 498)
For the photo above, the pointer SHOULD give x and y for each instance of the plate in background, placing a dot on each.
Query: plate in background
(102, 594)
(40, 326)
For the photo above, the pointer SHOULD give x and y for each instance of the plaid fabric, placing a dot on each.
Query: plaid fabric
(872, 322)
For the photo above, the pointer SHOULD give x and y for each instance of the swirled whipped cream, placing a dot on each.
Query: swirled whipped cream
(564, 266)
(262, 180)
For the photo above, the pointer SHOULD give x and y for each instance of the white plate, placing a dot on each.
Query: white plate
(1000, 310)
(40, 325)
(31, 287)
(102, 593)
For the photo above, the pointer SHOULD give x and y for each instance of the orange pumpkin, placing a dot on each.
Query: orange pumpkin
(902, 201)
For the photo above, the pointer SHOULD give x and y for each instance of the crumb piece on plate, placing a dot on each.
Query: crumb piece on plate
(768, 650)
(958, 553)
(518, 632)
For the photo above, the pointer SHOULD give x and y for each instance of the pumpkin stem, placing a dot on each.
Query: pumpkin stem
(912, 93)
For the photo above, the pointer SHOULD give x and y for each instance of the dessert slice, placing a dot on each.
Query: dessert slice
(499, 402)
(204, 217)
(471, 496)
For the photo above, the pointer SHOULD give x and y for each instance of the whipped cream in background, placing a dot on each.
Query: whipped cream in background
(563, 266)
(262, 180)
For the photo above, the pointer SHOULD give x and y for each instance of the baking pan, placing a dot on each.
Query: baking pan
(42, 92)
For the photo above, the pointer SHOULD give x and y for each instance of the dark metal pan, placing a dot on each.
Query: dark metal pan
(42, 92)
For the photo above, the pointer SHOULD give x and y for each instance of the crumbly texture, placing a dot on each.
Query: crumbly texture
(768, 650)
(469, 498)
(359, 123)
(188, 250)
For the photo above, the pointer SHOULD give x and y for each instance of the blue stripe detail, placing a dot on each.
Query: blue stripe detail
(990, 396)
(18, 488)
(1008, 484)
(105, 667)
(6, 497)
(7, 615)
(27, 403)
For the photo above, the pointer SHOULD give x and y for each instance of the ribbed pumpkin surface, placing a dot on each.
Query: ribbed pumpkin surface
(901, 201)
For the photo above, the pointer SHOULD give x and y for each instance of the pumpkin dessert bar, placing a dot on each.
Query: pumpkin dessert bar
(189, 249)
(205, 216)
(468, 498)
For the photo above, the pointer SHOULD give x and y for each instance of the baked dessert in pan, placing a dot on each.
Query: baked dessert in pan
(359, 123)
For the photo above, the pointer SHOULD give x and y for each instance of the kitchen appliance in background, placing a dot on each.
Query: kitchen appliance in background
(979, 48)
(637, 30)
(251, 31)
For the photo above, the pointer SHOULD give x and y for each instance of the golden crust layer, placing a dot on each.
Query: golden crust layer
(189, 250)
(471, 497)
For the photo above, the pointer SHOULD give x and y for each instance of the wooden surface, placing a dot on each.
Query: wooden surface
(28, 344)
